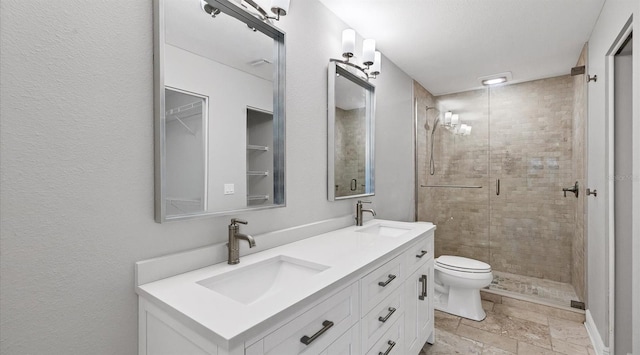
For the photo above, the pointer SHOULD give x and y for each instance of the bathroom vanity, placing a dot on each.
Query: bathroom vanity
(355, 290)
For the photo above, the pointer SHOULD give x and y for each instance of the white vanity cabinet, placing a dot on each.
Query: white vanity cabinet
(384, 307)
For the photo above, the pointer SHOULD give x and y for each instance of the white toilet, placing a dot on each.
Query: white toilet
(458, 282)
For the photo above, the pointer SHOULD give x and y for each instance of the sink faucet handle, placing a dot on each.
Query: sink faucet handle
(235, 221)
(361, 202)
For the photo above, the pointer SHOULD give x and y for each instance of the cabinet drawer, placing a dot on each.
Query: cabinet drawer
(380, 283)
(318, 327)
(381, 318)
(419, 253)
(391, 342)
(347, 344)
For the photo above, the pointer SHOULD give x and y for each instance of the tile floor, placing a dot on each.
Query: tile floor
(509, 329)
(545, 290)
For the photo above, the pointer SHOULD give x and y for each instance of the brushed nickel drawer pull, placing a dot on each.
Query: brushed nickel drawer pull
(423, 293)
(385, 283)
(385, 318)
(325, 326)
(422, 253)
(391, 345)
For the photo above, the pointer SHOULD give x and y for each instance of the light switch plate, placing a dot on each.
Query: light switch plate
(229, 189)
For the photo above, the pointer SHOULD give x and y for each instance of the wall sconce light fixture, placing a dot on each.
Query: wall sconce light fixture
(452, 123)
(278, 8)
(371, 59)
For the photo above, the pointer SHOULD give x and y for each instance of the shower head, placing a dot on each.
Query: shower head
(432, 164)
(436, 120)
(435, 125)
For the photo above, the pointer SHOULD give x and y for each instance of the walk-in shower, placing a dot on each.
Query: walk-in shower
(496, 195)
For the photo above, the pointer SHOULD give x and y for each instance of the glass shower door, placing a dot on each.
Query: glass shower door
(531, 222)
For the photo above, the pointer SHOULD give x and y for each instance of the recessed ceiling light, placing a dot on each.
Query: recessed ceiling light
(494, 81)
(498, 78)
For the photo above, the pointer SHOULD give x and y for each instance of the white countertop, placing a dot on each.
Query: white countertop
(345, 251)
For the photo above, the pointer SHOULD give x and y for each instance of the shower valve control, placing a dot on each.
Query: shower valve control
(573, 189)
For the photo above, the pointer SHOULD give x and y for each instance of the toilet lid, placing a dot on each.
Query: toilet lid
(459, 263)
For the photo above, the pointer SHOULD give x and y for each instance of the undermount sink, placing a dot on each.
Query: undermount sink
(251, 283)
(384, 230)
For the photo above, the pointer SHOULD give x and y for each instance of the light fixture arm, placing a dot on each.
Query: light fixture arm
(353, 65)
(262, 11)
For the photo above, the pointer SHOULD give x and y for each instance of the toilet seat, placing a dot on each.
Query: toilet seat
(464, 265)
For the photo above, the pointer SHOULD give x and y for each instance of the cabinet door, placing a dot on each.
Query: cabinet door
(418, 291)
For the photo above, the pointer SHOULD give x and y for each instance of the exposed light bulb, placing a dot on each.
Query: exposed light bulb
(377, 63)
(368, 51)
(348, 43)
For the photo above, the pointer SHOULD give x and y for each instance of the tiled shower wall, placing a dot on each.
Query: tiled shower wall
(461, 214)
(350, 154)
(523, 135)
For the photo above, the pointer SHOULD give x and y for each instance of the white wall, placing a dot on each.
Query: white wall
(613, 17)
(76, 168)
(395, 187)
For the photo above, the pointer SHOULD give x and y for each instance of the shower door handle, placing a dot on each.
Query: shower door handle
(498, 187)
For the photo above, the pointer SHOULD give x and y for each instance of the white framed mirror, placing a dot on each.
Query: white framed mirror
(351, 124)
(219, 110)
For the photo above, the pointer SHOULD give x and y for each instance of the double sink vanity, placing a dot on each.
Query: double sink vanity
(324, 288)
(354, 290)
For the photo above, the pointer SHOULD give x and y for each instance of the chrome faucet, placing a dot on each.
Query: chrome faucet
(234, 236)
(359, 211)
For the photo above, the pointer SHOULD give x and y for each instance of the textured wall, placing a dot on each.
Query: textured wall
(522, 135)
(615, 14)
(76, 168)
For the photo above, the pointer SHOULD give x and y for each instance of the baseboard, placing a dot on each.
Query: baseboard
(594, 335)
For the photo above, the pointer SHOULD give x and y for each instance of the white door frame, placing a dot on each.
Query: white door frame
(610, 156)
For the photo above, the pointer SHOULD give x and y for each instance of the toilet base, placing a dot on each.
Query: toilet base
(462, 302)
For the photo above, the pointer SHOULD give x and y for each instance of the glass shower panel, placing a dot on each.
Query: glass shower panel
(453, 178)
(530, 140)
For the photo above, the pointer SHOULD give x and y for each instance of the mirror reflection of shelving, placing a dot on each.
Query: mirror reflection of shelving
(259, 157)
(185, 127)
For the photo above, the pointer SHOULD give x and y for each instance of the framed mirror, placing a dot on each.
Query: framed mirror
(219, 110)
(351, 113)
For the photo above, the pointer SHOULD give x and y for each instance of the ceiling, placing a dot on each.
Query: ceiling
(446, 45)
(223, 39)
